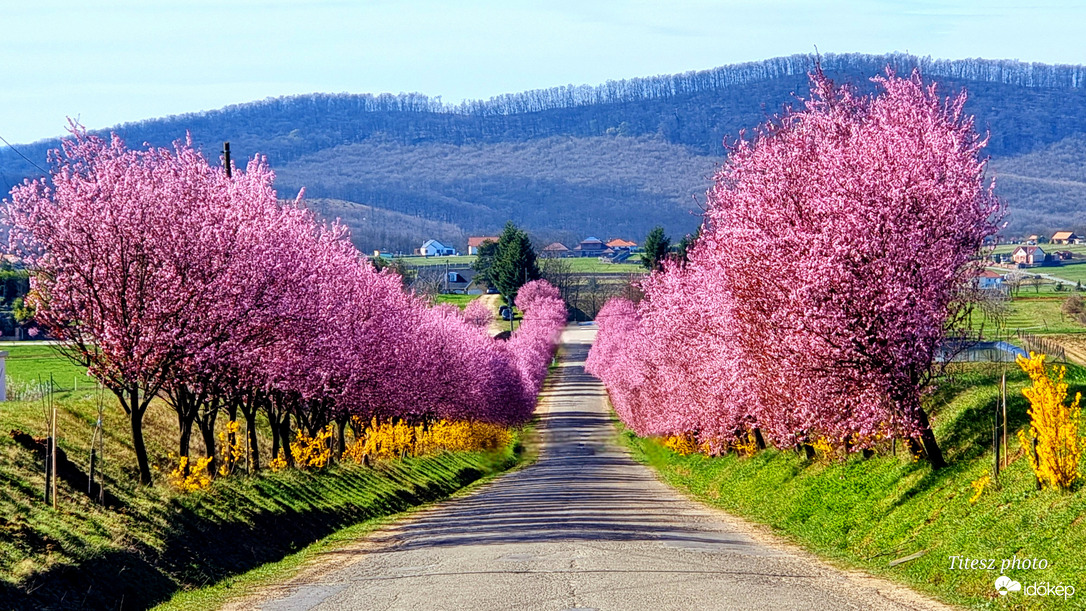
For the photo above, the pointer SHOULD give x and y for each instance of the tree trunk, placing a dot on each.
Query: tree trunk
(284, 438)
(759, 441)
(928, 442)
(341, 439)
(185, 441)
(248, 410)
(206, 422)
(135, 416)
(254, 454)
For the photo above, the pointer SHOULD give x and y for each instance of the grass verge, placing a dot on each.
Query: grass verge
(866, 513)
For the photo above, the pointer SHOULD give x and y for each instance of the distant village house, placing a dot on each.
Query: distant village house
(433, 248)
(618, 243)
(475, 242)
(590, 247)
(1065, 237)
(555, 250)
(989, 280)
(1028, 256)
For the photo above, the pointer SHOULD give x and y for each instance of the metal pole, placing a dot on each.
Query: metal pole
(226, 158)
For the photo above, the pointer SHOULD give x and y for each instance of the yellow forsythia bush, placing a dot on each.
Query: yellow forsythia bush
(233, 447)
(395, 439)
(312, 452)
(1055, 425)
(187, 479)
(681, 444)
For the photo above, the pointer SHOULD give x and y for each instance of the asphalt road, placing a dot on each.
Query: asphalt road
(585, 527)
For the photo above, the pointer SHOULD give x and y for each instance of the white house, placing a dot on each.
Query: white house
(989, 280)
(433, 248)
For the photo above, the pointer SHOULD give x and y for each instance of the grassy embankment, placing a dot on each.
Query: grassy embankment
(160, 542)
(867, 513)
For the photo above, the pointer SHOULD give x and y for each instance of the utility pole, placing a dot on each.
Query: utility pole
(226, 158)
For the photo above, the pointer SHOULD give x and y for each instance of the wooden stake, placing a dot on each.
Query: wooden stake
(54, 454)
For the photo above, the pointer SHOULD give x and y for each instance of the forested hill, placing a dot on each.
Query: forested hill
(613, 159)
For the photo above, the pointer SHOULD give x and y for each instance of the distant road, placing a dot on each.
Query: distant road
(585, 527)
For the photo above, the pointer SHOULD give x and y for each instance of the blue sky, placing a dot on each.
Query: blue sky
(111, 61)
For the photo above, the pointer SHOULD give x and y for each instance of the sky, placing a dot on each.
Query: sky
(106, 62)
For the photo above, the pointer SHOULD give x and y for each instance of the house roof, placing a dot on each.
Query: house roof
(1029, 249)
(556, 247)
(590, 240)
(475, 242)
(620, 243)
(988, 274)
(1063, 235)
(433, 243)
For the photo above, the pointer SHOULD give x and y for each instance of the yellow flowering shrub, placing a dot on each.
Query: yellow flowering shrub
(232, 447)
(394, 439)
(312, 452)
(278, 463)
(823, 447)
(1055, 425)
(978, 488)
(681, 444)
(190, 479)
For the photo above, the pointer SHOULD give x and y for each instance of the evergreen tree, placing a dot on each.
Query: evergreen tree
(514, 262)
(686, 244)
(485, 261)
(657, 246)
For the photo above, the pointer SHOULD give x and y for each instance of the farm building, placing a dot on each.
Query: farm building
(1065, 237)
(475, 242)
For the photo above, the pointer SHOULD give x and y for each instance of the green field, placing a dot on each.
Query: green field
(1041, 315)
(427, 261)
(29, 362)
(461, 301)
(592, 265)
(865, 513)
(1078, 249)
(160, 541)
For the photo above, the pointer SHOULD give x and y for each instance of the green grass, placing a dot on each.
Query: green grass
(27, 362)
(460, 301)
(865, 513)
(162, 542)
(1041, 315)
(592, 265)
(425, 261)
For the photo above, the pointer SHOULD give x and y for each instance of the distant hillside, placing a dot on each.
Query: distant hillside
(1046, 189)
(612, 159)
(609, 185)
(379, 229)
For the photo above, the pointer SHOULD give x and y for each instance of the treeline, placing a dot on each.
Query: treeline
(311, 139)
(695, 108)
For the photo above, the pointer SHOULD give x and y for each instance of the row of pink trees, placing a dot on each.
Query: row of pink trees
(836, 253)
(167, 278)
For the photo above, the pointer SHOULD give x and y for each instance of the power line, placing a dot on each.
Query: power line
(43, 170)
